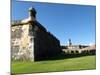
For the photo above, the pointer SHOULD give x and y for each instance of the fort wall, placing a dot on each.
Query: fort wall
(31, 41)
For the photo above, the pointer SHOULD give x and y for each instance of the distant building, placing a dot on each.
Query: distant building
(77, 49)
(74, 47)
(89, 50)
(30, 41)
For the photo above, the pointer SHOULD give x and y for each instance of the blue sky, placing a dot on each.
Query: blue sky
(62, 20)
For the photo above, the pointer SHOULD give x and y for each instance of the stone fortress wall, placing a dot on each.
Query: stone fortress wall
(31, 41)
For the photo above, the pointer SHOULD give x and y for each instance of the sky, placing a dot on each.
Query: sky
(65, 21)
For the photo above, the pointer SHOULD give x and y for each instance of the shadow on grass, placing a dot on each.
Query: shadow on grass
(13, 74)
(66, 56)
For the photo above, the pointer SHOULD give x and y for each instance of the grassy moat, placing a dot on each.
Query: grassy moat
(60, 64)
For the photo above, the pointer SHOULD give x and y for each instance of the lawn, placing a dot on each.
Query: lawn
(66, 64)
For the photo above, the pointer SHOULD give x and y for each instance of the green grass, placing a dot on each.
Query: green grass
(78, 63)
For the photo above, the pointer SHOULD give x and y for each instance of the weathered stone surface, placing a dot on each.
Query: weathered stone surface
(22, 47)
